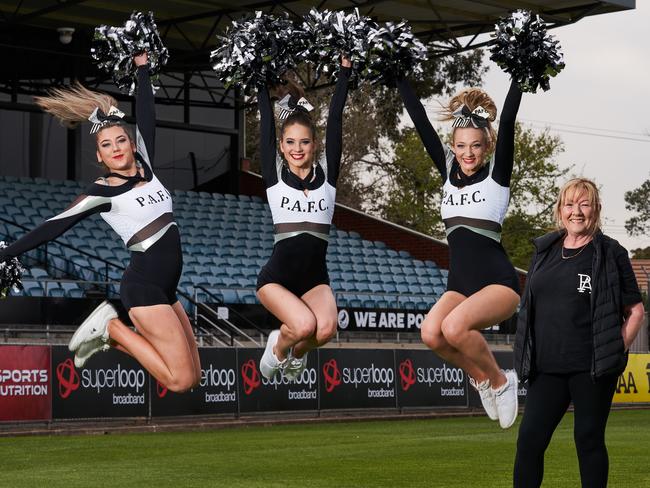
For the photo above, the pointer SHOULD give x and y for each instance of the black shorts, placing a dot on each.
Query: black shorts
(476, 261)
(152, 276)
(297, 263)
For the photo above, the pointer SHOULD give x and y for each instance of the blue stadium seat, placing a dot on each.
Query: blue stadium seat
(439, 290)
(376, 287)
(341, 300)
(229, 296)
(389, 288)
(402, 288)
(55, 292)
(37, 273)
(400, 278)
(33, 289)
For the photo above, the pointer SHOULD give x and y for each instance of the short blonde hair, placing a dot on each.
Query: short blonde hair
(579, 186)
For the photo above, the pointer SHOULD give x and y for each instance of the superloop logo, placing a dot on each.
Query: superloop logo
(331, 375)
(68, 378)
(407, 374)
(250, 376)
(307, 378)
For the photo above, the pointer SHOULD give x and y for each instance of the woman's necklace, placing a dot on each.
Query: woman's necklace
(573, 255)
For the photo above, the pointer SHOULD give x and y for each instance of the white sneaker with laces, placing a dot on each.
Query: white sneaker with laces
(94, 327)
(269, 363)
(88, 349)
(487, 397)
(507, 401)
(295, 367)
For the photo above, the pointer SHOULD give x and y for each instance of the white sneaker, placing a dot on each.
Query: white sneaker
(94, 327)
(295, 367)
(507, 401)
(270, 364)
(487, 397)
(88, 349)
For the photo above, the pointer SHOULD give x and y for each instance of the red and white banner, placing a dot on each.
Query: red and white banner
(25, 383)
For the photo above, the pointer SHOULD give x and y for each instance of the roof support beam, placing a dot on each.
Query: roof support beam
(43, 11)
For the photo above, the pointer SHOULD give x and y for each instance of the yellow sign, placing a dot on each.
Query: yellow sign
(634, 384)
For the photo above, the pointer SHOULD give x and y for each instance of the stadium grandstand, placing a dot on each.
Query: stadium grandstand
(226, 239)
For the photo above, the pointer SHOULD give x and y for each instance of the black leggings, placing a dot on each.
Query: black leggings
(548, 398)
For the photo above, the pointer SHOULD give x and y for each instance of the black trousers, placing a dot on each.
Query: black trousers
(549, 396)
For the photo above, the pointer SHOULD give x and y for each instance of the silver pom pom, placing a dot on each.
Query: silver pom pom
(523, 49)
(331, 34)
(257, 50)
(394, 53)
(11, 273)
(113, 49)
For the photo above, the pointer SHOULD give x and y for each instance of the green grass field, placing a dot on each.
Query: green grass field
(460, 452)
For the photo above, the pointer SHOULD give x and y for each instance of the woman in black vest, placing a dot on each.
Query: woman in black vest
(580, 312)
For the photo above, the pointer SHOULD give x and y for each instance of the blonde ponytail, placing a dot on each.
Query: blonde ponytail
(74, 104)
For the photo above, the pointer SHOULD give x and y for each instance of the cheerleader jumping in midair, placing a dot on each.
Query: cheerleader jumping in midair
(138, 207)
(294, 284)
(482, 288)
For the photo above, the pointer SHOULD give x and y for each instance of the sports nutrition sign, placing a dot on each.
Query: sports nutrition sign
(25, 392)
(111, 385)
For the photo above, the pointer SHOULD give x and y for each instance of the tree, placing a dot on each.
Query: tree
(371, 122)
(533, 191)
(416, 185)
(412, 196)
(638, 201)
(641, 253)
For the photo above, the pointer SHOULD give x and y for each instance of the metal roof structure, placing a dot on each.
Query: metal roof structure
(32, 54)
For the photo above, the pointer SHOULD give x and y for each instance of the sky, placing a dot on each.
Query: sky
(603, 93)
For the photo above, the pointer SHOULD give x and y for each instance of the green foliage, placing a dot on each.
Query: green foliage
(641, 253)
(638, 201)
(416, 184)
(519, 229)
(533, 191)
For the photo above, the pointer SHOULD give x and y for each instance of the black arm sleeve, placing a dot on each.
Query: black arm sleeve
(334, 133)
(145, 112)
(52, 228)
(429, 137)
(504, 153)
(268, 151)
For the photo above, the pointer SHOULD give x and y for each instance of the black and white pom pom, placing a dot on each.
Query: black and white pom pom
(11, 273)
(524, 50)
(331, 34)
(257, 50)
(394, 53)
(113, 49)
